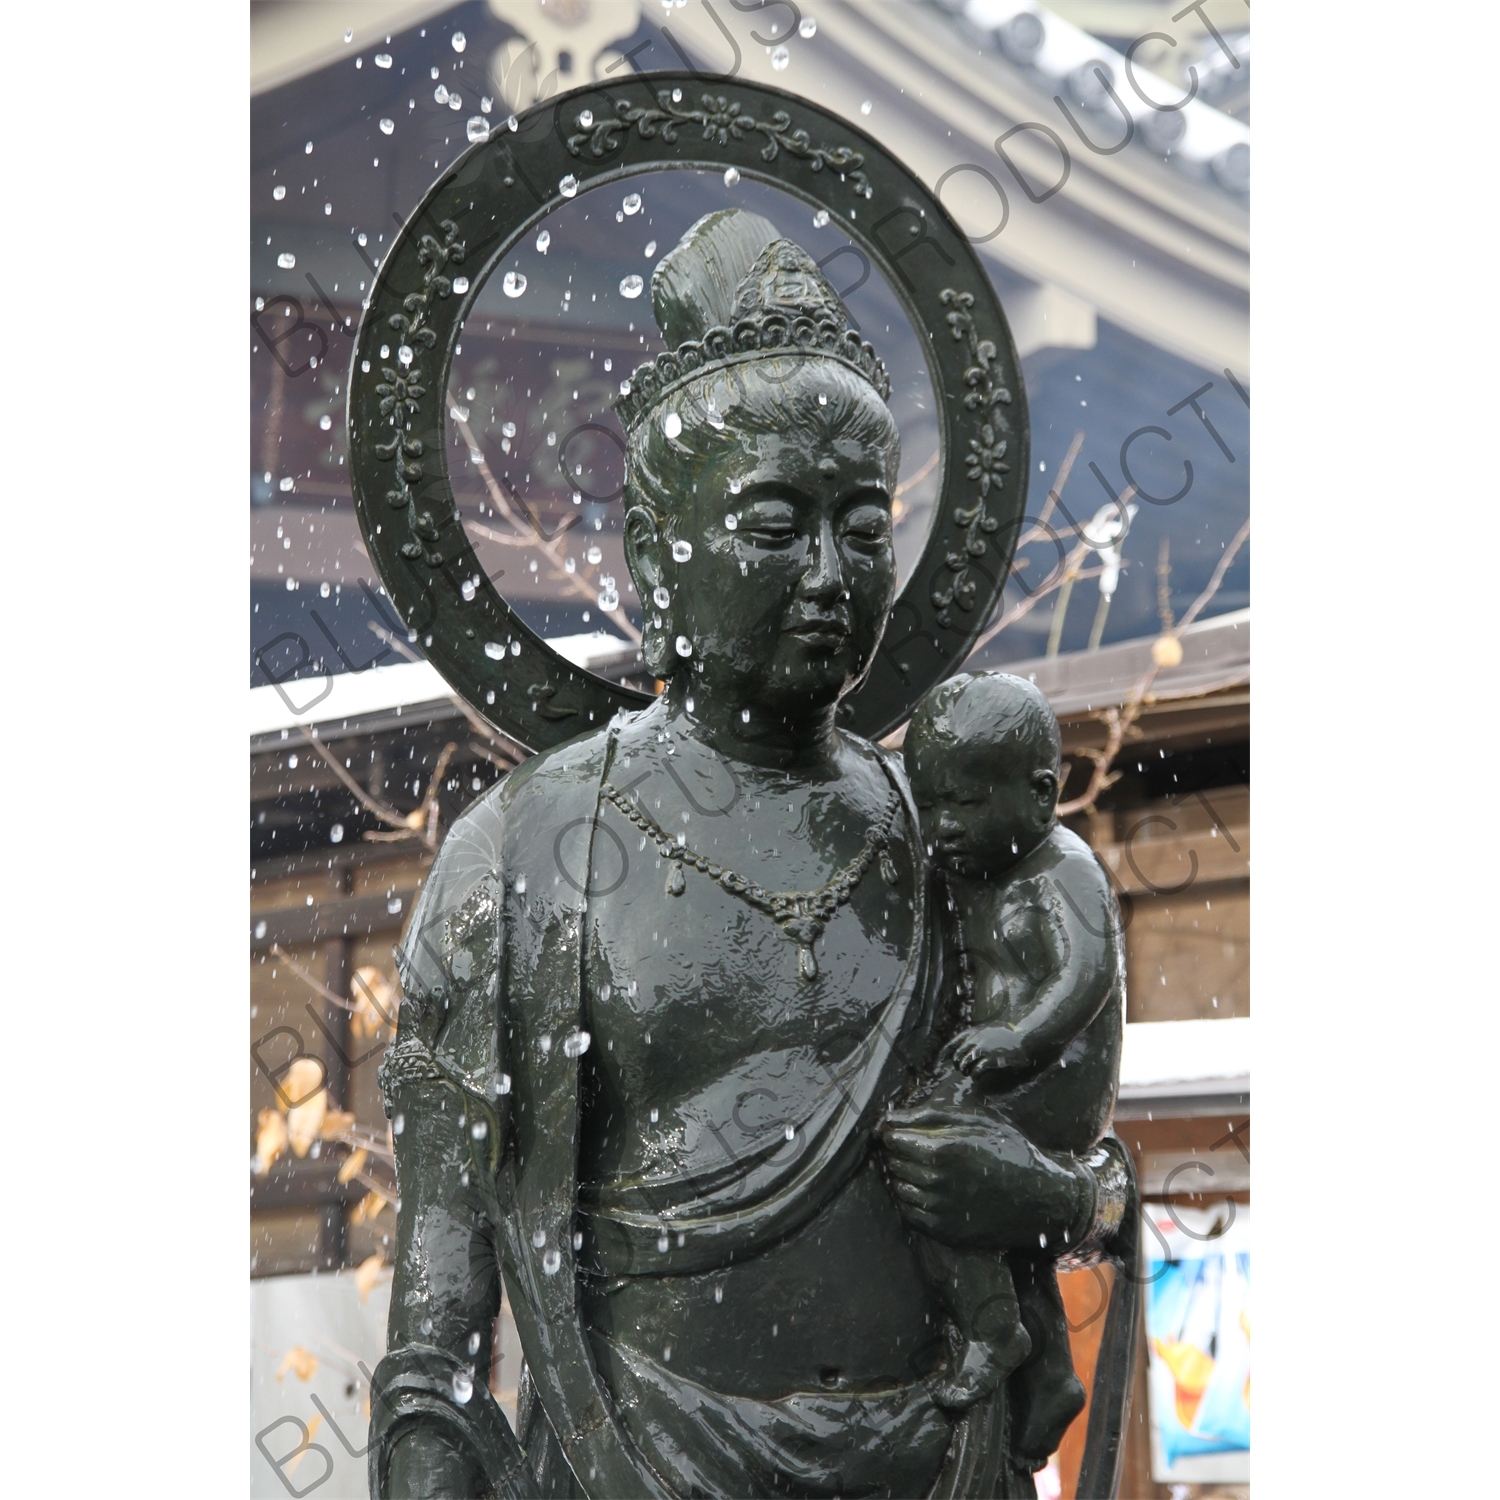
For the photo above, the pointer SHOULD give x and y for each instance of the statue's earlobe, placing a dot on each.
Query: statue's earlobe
(643, 544)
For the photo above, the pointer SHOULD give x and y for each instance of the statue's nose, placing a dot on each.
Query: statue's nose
(824, 578)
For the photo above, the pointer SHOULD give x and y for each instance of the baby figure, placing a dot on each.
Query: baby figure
(1042, 989)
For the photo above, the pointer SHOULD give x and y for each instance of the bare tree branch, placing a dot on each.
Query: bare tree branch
(1120, 721)
(549, 546)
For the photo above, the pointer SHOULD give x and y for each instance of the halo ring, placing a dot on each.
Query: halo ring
(495, 194)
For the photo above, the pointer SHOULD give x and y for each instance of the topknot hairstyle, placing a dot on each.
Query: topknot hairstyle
(731, 291)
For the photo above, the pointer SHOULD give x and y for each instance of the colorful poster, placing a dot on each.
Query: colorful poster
(1197, 1268)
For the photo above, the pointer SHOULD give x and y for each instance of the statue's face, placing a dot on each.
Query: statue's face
(792, 572)
(981, 805)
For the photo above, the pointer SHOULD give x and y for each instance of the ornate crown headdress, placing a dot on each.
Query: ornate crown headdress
(733, 290)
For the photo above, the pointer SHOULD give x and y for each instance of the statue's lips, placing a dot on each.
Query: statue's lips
(824, 633)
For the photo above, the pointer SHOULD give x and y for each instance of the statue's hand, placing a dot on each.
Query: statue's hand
(977, 1183)
(988, 1049)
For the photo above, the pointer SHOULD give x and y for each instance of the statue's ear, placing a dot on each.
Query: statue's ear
(1044, 784)
(643, 544)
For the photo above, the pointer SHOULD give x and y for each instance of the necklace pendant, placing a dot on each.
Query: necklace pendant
(807, 964)
(676, 881)
(888, 867)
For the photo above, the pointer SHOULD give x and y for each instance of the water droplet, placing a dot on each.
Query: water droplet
(520, 885)
(478, 128)
(866, 107)
(585, 118)
(744, 716)
(279, 191)
(455, 101)
(822, 399)
(734, 486)
(387, 126)
(676, 96)
(348, 36)
(460, 41)
(1043, 1239)
(624, 387)
(512, 123)
(287, 483)
(385, 351)
(660, 597)
(808, 29)
(684, 646)
(576, 1043)
(325, 422)
(780, 58)
(460, 286)
(440, 93)
(671, 424)
(546, 1045)
(790, 1132)
(286, 260)
(631, 286)
(463, 1387)
(486, 104)
(542, 241)
(494, 650)
(538, 1238)
(479, 1130)
(307, 149)
(568, 186)
(426, 1326)
(467, 589)
(398, 1124)
(650, 248)
(514, 284)
(382, 59)
(718, 1294)
(578, 1239)
(551, 1262)
(731, 176)
(654, 1116)
(609, 599)
(504, 1085)
(515, 650)
(820, 218)
(715, 420)
(336, 834)
(663, 1242)
(632, 203)
(474, 1342)
(508, 429)
(593, 555)
(682, 551)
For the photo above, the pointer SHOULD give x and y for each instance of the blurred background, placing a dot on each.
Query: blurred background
(1098, 155)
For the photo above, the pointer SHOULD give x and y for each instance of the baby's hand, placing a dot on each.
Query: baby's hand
(989, 1049)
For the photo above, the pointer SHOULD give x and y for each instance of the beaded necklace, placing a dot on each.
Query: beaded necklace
(801, 915)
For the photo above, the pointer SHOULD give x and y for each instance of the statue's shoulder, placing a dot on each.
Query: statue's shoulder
(492, 841)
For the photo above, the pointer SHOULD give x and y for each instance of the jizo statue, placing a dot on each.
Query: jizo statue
(772, 1091)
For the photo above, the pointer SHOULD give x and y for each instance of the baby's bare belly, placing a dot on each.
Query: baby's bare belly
(841, 1303)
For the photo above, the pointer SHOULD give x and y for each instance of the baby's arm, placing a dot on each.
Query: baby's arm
(1079, 937)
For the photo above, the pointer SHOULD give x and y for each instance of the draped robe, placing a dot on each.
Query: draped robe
(491, 1025)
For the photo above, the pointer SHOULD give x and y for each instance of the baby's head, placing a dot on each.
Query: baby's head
(983, 753)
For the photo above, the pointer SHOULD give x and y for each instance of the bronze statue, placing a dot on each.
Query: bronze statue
(670, 983)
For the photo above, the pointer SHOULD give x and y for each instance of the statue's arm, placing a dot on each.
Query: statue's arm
(1078, 926)
(435, 1429)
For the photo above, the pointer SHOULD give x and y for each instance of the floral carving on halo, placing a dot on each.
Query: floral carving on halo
(985, 459)
(401, 389)
(722, 120)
